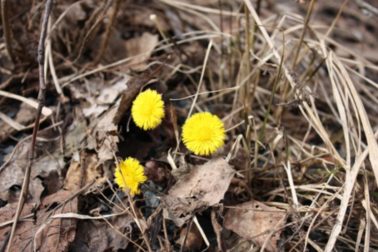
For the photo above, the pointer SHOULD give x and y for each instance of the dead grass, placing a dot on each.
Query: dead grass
(300, 109)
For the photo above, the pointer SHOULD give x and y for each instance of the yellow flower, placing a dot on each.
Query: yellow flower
(129, 174)
(203, 133)
(148, 109)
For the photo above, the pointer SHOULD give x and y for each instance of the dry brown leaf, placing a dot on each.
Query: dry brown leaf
(106, 97)
(192, 238)
(100, 236)
(257, 222)
(103, 138)
(46, 234)
(48, 162)
(141, 47)
(84, 172)
(133, 88)
(204, 186)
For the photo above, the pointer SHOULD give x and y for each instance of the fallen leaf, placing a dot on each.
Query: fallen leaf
(257, 222)
(83, 172)
(103, 138)
(190, 240)
(109, 94)
(56, 234)
(98, 235)
(134, 86)
(203, 186)
(49, 160)
(44, 233)
(141, 47)
(106, 97)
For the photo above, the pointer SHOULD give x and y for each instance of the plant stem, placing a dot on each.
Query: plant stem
(41, 100)
(6, 29)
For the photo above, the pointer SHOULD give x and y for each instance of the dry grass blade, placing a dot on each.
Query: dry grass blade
(371, 149)
(45, 111)
(371, 141)
(293, 81)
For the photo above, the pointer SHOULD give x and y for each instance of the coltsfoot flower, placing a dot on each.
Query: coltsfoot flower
(203, 133)
(148, 109)
(129, 174)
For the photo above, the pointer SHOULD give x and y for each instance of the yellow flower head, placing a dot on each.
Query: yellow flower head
(129, 174)
(148, 109)
(203, 133)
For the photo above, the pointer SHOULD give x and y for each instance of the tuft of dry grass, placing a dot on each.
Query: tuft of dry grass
(299, 104)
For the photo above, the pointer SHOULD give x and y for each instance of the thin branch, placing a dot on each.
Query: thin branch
(105, 41)
(6, 30)
(41, 100)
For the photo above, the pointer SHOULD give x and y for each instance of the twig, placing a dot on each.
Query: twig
(97, 17)
(142, 230)
(6, 29)
(204, 237)
(41, 100)
(105, 41)
(186, 235)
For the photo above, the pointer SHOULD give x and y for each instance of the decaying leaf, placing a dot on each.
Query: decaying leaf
(82, 172)
(257, 222)
(49, 160)
(204, 186)
(142, 48)
(190, 240)
(98, 235)
(103, 137)
(106, 97)
(44, 233)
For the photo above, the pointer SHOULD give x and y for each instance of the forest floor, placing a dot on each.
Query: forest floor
(295, 84)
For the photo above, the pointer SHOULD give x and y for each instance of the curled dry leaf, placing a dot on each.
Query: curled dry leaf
(257, 222)
(204, 186)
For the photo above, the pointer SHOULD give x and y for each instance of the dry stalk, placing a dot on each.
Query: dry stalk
(96, 19)
(105, 41)
(41, 100)
(136, 219)
(6, 29)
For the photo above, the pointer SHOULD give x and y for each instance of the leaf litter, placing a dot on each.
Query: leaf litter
(297, 172)
(204, 186)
